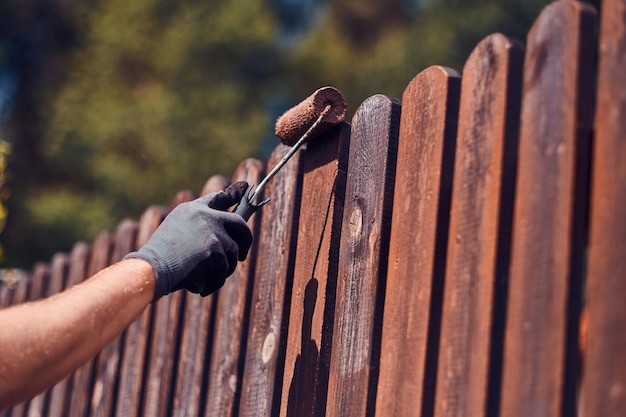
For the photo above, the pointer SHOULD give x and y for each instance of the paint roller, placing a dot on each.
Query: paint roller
(319, 112)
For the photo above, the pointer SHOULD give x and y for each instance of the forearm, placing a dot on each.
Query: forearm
(42, 342)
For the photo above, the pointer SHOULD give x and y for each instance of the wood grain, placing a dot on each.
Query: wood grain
(231, 322)
(133, 360)
(61, 393)
(363, 258)
(271, 292)
(312, 306)
(106, 371)
(549, 230)
(417, 247)
(162, 344)
(40, 277)
(478, 253)
(604, 376)
(197, 322)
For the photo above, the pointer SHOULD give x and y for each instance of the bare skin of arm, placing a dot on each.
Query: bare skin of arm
(44, 341)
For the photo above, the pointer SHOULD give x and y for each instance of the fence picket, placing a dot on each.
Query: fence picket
(450, 282)
(604, 375)
(103, 395)
(417, 242)
(363, 257)
(61, 393)
(231, 321)
(312, 304)
(271, 294)
(132, 361)
(480, 230)
(196, 330)
(549, 230)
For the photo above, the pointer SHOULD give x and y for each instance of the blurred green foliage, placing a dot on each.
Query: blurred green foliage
(119, 104)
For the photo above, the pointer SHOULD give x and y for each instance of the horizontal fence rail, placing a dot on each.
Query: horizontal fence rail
(458, 252)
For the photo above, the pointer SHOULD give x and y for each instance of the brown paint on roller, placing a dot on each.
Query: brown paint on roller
(294, 123)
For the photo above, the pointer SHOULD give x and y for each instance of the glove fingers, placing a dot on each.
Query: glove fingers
(241, 234)
(229, 197)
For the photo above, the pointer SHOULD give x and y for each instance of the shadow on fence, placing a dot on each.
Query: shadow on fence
(434, 257)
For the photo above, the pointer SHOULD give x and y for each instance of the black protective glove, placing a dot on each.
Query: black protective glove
(198, 244)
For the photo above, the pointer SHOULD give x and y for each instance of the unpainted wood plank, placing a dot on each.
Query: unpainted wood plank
(312, 306)
(267, 331)
(363, 257)
(103, 396)
(549, 231)
(195, 335)
(604, 375)
(231, 321)
(60, 394)
(417, 247)
(478, 256)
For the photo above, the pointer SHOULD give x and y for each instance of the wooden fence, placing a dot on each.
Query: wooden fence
(460, 252)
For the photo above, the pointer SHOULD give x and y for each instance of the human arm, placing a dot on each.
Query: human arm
(44, 341)
(196, 247)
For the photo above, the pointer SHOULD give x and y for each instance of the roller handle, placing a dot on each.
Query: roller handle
(246, 208)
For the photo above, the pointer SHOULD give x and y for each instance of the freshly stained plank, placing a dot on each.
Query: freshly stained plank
(272, 289)
(195, 334)
(131, 375)
(474, 302)
(363, 258)
(106, 371)
(604, 375)
(549, 230)
(311, 316)
(417, 247)
(160, 366)
(82, 383)
(60, 394)
(231, 321)
(39, 289)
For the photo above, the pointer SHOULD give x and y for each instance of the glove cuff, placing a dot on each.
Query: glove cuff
(166, 266)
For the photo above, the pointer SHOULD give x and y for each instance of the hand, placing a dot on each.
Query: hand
(198, 244)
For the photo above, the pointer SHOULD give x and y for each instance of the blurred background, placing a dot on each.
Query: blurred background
(109, 106)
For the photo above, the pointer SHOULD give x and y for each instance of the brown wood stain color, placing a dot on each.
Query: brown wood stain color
(363, 257)
(417, 243)
(549, 231)
(196, 334)
(311, 313)
(480, 229)
(160, 366)
(231, 321)
(604, 376)
(133, 360)
(276, 241)
(104, 392)
(61, 393)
